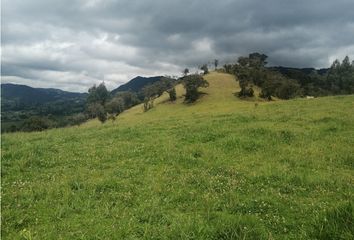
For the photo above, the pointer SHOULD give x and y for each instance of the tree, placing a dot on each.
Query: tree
(246, 89)
(98, 94)
(191, 83)
(156, 89)
(115, 106)
(340, 78)
(185, 72)
(204, 67)
(97, 110)
(148, 104)
(96, 101)
(216, 62)
(172, 93)
(229, 68)
(77, 119)
(129, 98)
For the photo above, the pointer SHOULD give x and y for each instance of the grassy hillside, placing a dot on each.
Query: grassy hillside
(221, 168)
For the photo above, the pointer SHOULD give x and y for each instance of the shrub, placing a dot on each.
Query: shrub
(36, 123)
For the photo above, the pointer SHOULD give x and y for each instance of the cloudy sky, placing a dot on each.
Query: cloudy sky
(73, 44)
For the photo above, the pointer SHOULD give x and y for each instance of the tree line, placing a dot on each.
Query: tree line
(251, 71)
(101, 105)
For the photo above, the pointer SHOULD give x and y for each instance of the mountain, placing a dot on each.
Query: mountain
(14, 94)
(136, 84)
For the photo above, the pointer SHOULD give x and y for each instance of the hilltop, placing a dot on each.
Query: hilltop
(220, 168)
(136, 84)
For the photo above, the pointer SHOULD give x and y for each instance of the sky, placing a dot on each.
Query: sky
(73, 44)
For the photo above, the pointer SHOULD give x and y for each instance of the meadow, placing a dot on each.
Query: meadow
(221, 168)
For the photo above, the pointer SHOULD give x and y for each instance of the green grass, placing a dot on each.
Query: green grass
(221, 168)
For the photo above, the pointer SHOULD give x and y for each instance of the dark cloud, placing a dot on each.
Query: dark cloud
(73, 44)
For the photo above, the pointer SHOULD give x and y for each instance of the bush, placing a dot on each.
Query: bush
(36, 123)
(77, 119)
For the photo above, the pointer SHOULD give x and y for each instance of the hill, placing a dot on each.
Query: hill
(19, 103)
(25, 95)
(220, 168)
(136, 84)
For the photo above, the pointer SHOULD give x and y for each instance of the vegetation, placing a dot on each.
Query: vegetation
(219, 169)
(191, 83)
(22, 105)
(52, 108)
(205, 69)
(96, 102)
(148, 104)
(185, 72)
(287, 83)
(216, 63)
(172, 94)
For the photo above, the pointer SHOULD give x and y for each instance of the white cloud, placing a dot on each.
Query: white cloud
(72, 44)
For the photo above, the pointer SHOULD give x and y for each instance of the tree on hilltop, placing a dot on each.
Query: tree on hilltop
(191, 83)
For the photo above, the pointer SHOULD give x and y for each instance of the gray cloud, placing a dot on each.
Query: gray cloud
(72, 44)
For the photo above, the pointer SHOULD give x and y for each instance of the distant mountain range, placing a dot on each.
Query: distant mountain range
(136, 84)
(29, 95)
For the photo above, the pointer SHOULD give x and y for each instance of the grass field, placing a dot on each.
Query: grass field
(221, 168)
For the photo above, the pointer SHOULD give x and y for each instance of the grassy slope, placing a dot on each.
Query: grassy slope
(221, 168)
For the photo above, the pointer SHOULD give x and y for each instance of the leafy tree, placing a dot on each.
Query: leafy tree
(185, 72)
(77, 119)
(97, 110)
(158, 88)
(288, 89)
(172, 94)
(229, 68)
(246, 89)
(98, 94)
(205, 69)
(216, 62)
(115, 106)
(191, 83)
(148, 104)
(340, 78)
(129, 98)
